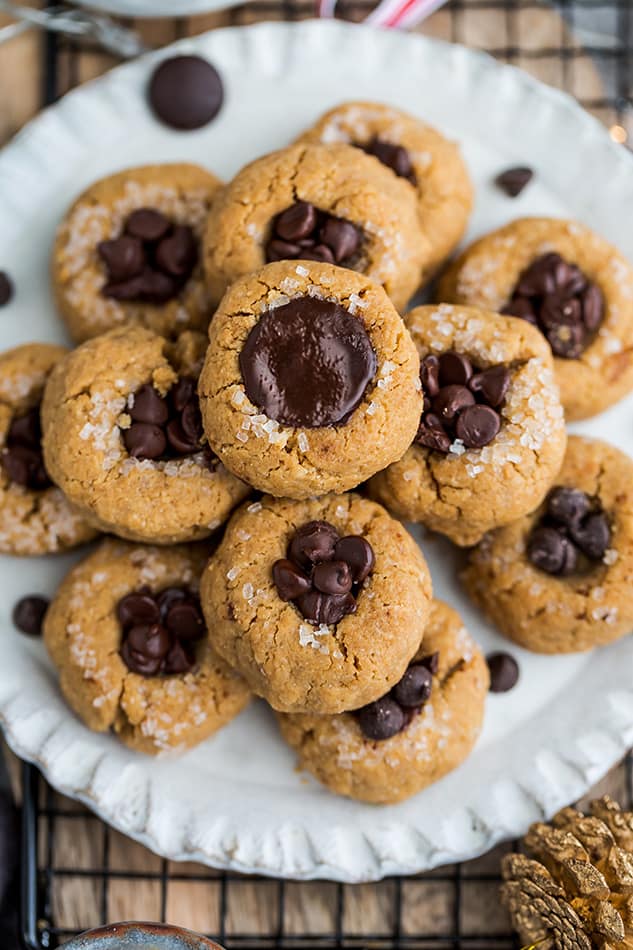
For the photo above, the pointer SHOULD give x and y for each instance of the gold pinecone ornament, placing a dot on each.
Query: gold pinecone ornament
(575, 890)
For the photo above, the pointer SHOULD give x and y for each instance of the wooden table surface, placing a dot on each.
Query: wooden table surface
(78, 843)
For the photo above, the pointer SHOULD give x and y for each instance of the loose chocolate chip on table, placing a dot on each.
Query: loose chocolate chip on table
(322, 572)
(382, 719)
(572, 526)
(307, 363)
(514, 180)
(159, 630)
(415, 686)
(395, 157)
(6, 288)
(460, 402)
(504, 672)
(302, 231)
(185, 92)
(561, 301)
(28, 614)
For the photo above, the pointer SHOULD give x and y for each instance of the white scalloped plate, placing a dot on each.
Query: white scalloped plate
(236, 800)
(157, 8)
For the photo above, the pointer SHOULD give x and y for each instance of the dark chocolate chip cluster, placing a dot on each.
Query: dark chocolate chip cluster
(460, 402)
(151, 261)
(165, 426)
(574, 528)
(390, 714)
(22, 459)
(302, 231)
(561, 301)
(322, 572)
(160, 630)
(395, 157)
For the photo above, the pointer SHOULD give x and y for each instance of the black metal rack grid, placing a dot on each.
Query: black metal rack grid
(42, 811)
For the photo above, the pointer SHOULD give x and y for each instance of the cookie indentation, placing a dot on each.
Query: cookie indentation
(165, 426)
(395, 157)
(461, 404)
(391, 714)
(307, 363)
(21, 458)
(303, 232)
(559, 299)
(572, 536)
(160, 630)
(322, 572)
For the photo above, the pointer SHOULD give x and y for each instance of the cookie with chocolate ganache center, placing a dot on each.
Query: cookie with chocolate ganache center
(319, 604)
(311, 380)
(571, 284)
(560, 579)
(410, 737)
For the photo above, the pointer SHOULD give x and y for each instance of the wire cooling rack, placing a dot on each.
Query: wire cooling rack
(589, 52)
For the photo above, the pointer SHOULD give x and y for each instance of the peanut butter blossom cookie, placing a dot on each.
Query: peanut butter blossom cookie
(575, 287)
(35, 516)
(320, 605)
(128, 252)
(123, 437)
(561, 579)
(310, 383)
(129, 641)
(424, 727)
(317, 203)
(417, 154)
(491, 436)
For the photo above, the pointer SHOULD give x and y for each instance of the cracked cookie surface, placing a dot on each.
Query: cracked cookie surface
(83, 636)
(437, 170)
(183, 193)
(563, 614)
(300, 462)
(486, 274)
(336, 180)
(467, 491)
(85, 414)
(435, 741)
(32, 521)
(294, 664)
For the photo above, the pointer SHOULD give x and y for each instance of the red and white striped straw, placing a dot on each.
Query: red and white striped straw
(390, 13)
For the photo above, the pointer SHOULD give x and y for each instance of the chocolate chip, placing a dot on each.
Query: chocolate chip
(551, 551)
(179, 440)
(180, 658)
(177, 254)
(592, 535)
(395, 157)
(559, 299)
(137, 609)
(184, 620)
(450, 401)
(144, 441)
(432, 662)
(314, 542)
(28, 614)
(290, 580)
(415, 686)
(149, 406)
(307, 363)
(147, 224)
(191, 422)
(381, 719)
(322, 572)
(492, 383)
(26, 429)
(151, 286)
(454, 369)
(514, 180)
(151, 640)
(24, 466)
(504, 672)
(567, 505)
(476, 426)
(296, 222)
(332, 577)
(123, 257)
(6, 288)
(301, 231)
(432, 435)
(182, 392)
(341, 237)
(359, 555)
(168, 597)
(185, 92)
(430, 375)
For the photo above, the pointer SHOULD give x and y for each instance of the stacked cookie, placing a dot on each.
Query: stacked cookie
(310, 385)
